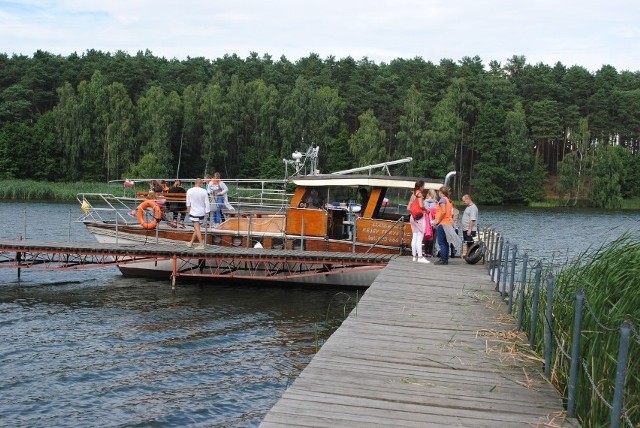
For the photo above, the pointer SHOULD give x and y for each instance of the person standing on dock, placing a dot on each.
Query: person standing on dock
(417, 222)
(443, 220)
(469, 220)
(198, 208)
(177, 207)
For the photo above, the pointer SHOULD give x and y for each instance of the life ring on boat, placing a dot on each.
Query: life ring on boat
(157, 214)
(475, 253)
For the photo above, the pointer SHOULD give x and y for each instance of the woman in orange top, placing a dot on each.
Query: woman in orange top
(443, 218)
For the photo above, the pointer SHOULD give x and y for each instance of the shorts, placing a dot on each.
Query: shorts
(196, 219)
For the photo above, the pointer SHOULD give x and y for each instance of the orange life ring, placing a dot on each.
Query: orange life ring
(157, 214)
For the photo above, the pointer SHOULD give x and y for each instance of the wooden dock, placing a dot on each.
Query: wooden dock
(427, 345)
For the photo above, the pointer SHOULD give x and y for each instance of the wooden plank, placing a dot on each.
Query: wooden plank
(425, 346)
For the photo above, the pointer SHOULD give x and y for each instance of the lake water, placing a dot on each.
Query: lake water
(92, 348)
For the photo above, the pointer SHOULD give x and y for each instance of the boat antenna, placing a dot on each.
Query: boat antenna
(299, 160)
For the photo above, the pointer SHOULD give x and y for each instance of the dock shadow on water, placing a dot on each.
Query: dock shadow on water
(95, 349)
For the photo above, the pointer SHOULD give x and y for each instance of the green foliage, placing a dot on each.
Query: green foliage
(95, 116)
(608, 276)
(490, 173)
(149, 166)
(45, 190)
(367, 144)
(271, 167)
(606, 188)
(572, 169)
(532, 187)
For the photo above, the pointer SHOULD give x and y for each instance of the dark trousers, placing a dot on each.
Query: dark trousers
(468, 238)
(428, 246)
(442, 243)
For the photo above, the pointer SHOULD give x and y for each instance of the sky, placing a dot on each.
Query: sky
(588, 33)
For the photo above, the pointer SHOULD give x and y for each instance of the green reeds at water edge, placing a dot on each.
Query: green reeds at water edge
(610, 278)
(49, 191)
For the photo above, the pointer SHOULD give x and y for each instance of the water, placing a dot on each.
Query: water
(92, 348)
(559, 234)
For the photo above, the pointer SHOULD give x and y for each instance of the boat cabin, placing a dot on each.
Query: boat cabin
(368, 213)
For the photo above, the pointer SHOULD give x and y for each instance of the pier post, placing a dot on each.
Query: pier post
(523, 283)
(498, 262)
(505, 266)
(513, 277)
(487, 240)
(534, 306)
(575, 354)
(621, 373)
(548, 326)
(174, 271)
(19, 259)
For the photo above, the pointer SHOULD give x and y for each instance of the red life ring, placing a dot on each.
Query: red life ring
(157, 214)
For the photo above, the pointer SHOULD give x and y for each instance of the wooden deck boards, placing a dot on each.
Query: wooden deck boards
(427, 346)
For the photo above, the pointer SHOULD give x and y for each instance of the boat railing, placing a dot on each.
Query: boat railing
(258, 194)
(243, 194)
(105, 208)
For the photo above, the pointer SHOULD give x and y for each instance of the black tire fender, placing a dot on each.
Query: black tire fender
(475, 253)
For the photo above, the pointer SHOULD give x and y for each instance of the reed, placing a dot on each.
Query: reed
(609, 277)
(631, 204)
(549, 203)
(49, 191)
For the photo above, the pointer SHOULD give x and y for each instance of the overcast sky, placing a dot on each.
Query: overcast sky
(589, 33)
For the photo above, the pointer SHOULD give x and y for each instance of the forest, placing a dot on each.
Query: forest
(512, 131)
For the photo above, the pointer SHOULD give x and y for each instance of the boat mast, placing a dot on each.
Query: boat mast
(383, 165)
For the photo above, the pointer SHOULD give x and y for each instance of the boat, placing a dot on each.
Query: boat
(331, 213)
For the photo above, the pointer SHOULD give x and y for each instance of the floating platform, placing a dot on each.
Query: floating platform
(174, 261)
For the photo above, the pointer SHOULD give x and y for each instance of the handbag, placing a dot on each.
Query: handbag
(416, 210)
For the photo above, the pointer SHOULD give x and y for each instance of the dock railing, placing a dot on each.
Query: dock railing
(590, 385)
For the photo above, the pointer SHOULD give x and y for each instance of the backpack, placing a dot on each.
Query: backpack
(416, 210)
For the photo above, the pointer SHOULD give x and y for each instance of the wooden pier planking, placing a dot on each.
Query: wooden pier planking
(425, 346)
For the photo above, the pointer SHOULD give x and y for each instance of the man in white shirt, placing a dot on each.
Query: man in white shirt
(469, 220)
(198, 208)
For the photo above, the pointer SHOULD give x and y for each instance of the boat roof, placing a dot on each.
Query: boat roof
(365, 180)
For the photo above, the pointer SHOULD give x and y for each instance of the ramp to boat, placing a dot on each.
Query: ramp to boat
(173, 261)
(426, 346)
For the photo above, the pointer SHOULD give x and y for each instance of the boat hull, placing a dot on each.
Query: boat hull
(313, 274)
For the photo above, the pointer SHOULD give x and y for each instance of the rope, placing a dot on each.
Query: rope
(595, 317)
(594, 387)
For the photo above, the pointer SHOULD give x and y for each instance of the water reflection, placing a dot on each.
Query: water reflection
(94, 348)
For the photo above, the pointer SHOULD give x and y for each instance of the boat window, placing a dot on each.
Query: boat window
(393, 204)
(344, 197)
(313, 198)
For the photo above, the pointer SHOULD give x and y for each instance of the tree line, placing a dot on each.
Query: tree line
(508, 130)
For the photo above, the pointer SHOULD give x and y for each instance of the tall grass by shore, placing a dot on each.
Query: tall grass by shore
(48, 191)
(627, 204)
(609, 277)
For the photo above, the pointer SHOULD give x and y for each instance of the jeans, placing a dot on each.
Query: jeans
(442, 243)
(217, 213)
